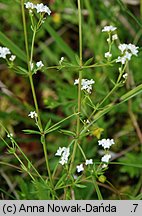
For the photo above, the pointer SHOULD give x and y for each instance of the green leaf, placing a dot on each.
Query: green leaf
(5, 41)
(88, 62)
(61, 181)
(69, 133)
(77, 59)
(47, 125)
(31, 132)
(52, 129)
(80, 186)
(21, 70)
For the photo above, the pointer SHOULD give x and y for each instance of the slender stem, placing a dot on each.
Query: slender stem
(141, 9)
(79, 87)
(30, 60)
(25, 31)
(97, 189)
(47, 160)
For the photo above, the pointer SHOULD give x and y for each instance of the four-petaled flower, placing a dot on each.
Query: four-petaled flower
(87, 162)
(33, 114)
(80, 168)
(106, 158)
(39, 64)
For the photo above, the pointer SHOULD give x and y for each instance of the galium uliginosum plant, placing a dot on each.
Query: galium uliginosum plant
(73, 173)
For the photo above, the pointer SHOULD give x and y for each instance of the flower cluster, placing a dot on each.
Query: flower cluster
(4, 51)
(106, 144)
(80, 167)
(109, 29)
(40, 8)
(110, 39)
(127, 50)
(10, 135)
(64, 153)
(85, 84)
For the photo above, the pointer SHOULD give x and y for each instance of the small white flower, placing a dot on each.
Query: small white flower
(109, 29)
(122, 47)
(90, 161)
(104, 166)
(4, 51)
(114, 37)
(59, 151)
(12, 58)
(85, 84)
(133, 49)
(41, 8)
(106, 158)
(125, 75)
(61, 60)
(29, 5)
(87, 122)
(10, 135)
(128, 47)
(106, 143)
(108, 55)
(33, 114)
(123, 59)
(64, 153)
(80, 168)
(108, 40)
(39, 64)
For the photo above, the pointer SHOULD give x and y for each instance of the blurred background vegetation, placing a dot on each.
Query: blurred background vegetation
(57, 95)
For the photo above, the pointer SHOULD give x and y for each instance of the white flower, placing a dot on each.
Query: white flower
(123, 59)
(109, 29)
(29, 5)
(114, 37)
(4, 51)
(104, 166)
(33, 114)
(133, 49)
(10, 135)
(41, 8)
(108, 55)
(59, 151)
(64, 153)
(39, 64)
(90, 161)
(108, 40)
(125, 75)
(12, 58)
(106, 143)
(128, 47)
(61, 60)
(106, 158)
(80, 168)
(85, 84)
(122, 47)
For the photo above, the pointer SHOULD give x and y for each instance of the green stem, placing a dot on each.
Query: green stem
(79, 88)
(25, 31)
(47, 160)
(141, 9)
(97, 189)
(33, 88)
